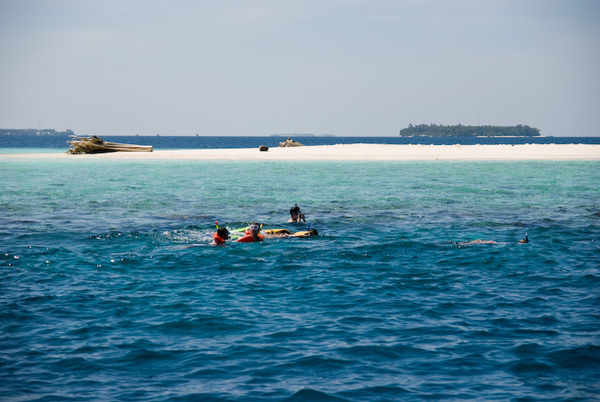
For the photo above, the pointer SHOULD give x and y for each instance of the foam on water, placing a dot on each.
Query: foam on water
(111, 289)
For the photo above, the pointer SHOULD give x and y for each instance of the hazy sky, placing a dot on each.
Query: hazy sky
(342, 67)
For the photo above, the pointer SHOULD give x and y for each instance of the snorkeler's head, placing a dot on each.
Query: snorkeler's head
(223, 233)
(254, 228)
(295, 210)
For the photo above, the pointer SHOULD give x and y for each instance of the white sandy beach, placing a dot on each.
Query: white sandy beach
(354, 152)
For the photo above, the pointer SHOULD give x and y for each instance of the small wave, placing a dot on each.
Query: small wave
(76, 364)
(202, 325)
(112, 235)
(377, 353)
(209, 372)
(91, 330)
(382, 393)
(311, 395)
(530, 367)
(578, 358)
(201, 396)
(150, 358)
(188, 236)
(471, 364)
(528, 350)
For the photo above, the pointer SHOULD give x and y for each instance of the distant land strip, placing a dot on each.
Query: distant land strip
(33, 131)
(435, 130)
(300, 135)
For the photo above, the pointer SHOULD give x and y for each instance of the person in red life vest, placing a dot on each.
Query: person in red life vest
(252, 234)
(220, 236)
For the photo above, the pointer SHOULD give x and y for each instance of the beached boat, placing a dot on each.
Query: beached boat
(95, 145)
(290, 143)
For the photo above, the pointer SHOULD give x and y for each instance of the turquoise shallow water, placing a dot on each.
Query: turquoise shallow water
(111, 290)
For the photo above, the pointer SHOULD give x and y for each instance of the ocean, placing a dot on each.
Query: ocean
(112, 290)
(58, 143)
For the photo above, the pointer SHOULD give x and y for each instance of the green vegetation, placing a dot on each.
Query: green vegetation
(33, 131)
(434, 130)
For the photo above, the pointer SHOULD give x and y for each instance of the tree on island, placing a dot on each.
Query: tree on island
(434, 130)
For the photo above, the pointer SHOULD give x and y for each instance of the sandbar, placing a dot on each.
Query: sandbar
(353, 152)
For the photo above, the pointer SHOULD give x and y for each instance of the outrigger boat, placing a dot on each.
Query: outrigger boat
(290, 143)
(95, 145)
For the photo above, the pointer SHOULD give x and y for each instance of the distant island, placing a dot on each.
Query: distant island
(434, 130)
(33, 131)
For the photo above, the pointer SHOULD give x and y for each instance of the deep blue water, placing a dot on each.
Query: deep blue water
(11, 144)
(111, 290)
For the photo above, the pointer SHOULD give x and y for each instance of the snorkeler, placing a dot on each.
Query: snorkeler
(480, 241)
(252, 234)
(296, 215)
(220, 236)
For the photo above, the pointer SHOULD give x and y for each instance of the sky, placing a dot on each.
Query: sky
(263, 67)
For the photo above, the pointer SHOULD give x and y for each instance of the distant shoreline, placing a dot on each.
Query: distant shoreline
(62, 134)
(350, 152)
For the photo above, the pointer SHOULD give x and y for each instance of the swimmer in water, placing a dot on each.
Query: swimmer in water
(480, 241)
(221, 235)
(296, 215)
(252, 234)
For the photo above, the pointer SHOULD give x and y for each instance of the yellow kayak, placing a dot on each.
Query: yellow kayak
(276, 231)
(305, 233)
(287, 233)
